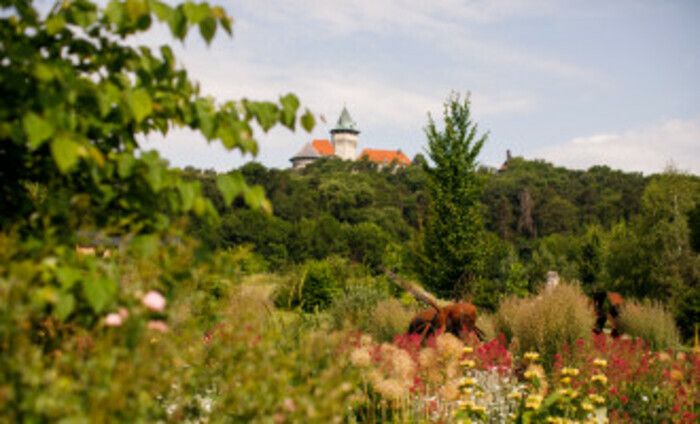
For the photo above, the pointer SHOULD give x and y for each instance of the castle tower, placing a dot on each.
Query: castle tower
(344, 136)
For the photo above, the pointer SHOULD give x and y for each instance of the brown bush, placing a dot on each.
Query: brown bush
(389, 318)
(650, 321)
(547, 321)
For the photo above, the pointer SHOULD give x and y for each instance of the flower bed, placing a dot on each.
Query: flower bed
(593, 380)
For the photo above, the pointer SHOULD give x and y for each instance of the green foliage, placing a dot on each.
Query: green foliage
(80, 98)
(452, 248)
(314, 285)
(319, 286)
(591, 260)
(353, 306)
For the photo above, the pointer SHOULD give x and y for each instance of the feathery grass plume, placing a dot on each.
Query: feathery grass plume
(546, 322)
(389, 318)
(650, 321)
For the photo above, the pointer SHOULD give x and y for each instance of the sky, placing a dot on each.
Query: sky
(576, 83)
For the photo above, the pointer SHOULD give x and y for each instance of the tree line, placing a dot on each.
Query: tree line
(606, 228)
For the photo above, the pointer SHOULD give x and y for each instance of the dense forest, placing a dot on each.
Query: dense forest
(608, 229)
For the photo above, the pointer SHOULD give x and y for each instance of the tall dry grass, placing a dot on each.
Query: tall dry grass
(389, 318)
(546, 322)
(650, 321)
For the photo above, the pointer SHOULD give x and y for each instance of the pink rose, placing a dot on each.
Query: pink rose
(158, 326)
(154, 301)
(113, 320)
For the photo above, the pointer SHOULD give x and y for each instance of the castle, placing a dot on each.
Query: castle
(343, 144)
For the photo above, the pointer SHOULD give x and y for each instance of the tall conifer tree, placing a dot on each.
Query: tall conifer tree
(452, 252)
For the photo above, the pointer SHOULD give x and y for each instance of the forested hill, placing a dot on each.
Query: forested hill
(601, 226)
(524, 200)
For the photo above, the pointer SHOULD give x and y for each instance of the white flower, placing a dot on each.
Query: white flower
(113, 320)
(154, 301)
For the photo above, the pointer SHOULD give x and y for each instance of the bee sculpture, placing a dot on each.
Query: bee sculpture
(458, 319)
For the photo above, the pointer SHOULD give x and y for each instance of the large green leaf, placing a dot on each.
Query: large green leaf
(54, 24)
(67, 276)
(178, 23)
(125, 164)
(207, 28)
(207, 117)
(266, 113)
(290, 104)
(162, 11)
(99, 291)
(136, 9)
(196, 12)
(65, 306)
(139, 103)
(308, 121)
(230, 186)
(188, 192)
(37, 129)
(65, 152)
(255, 198)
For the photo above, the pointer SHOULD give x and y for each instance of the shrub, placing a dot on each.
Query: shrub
(486, 322)
(315, 284)
(548, 321)
(650, 321)
(354, 306)
(318, 286)
(389, 318)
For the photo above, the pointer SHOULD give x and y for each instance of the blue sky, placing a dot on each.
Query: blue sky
(576, 83)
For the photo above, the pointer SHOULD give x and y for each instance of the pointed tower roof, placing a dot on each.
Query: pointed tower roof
(345, 123)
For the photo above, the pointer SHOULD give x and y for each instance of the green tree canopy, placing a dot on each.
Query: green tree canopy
(452, 256)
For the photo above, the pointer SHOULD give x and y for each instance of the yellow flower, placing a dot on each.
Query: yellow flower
(534, 371)
(468, 349)
(467, 382)
(570, 371)
(530, 374)
(479, 409)
(465, 405)
(595, 398)
(599, 378)
(586, 406)
(515, 395)
(533, 401)
(468, 363)
(602, 363)
(565, 380)
(532, 356)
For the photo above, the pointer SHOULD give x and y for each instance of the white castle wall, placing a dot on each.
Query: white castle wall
(345, 145)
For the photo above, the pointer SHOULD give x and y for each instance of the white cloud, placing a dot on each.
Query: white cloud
(376, 100)
(443, 24)
(650, 149)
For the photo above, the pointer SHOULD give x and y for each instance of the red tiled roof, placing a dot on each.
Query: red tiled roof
(385, 156)
(323, 147)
